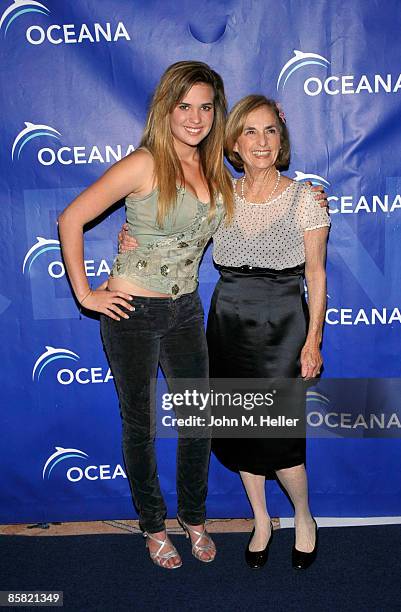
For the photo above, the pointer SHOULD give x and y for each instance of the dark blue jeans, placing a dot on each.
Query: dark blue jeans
(169, 332)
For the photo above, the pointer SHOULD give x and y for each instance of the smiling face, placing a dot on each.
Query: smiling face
(259, 143)
(192, 118)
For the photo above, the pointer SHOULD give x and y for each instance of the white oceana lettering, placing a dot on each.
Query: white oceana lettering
(82, 155)
(347, 204)
(349, 316)
(56, 268)
(69, 33)
(96, 472)
(351, 84)
(347, 420)
(84, 376)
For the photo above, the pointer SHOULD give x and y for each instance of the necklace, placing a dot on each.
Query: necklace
(269, 197)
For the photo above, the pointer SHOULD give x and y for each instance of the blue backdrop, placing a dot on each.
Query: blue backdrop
(76, 79)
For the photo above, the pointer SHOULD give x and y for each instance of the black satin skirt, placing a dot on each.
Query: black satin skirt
(257, 326)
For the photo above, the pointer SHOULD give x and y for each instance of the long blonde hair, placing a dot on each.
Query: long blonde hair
(157, 138)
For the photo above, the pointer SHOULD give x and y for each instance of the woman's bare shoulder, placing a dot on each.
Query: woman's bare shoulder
(139, 161)
(140, 166)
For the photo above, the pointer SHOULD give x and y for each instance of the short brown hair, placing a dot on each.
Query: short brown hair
(235, 125)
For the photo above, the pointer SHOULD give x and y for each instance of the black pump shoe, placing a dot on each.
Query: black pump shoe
(257, 559)
(303, 560)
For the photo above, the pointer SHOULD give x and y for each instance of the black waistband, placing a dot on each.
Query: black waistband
(295, 271)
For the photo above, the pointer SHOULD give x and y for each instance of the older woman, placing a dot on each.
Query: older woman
(259, 325)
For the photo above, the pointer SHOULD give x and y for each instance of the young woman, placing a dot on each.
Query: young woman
(177, 190)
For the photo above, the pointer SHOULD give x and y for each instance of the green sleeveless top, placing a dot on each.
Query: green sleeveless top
(167, 258)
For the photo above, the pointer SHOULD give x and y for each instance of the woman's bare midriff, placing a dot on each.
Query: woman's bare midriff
(120, 284)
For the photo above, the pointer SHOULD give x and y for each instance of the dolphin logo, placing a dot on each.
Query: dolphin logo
(315, 179)
(41, 246)
(60, 455)
(29, 132)
(52, 354)
(299, 60)
(20, 7)
(314, 396)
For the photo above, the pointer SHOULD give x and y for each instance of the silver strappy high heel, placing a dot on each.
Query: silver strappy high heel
(160, 558)
(198, 549)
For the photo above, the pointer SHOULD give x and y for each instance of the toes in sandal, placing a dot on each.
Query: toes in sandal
(158, 557)
(198, 549)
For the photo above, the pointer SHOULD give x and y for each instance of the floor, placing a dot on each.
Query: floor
(121, 526)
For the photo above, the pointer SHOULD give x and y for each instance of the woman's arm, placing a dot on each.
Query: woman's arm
(128, 243)
(128, 175)
(315, 274)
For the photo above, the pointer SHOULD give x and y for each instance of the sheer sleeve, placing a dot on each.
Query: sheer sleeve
(313, 215)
